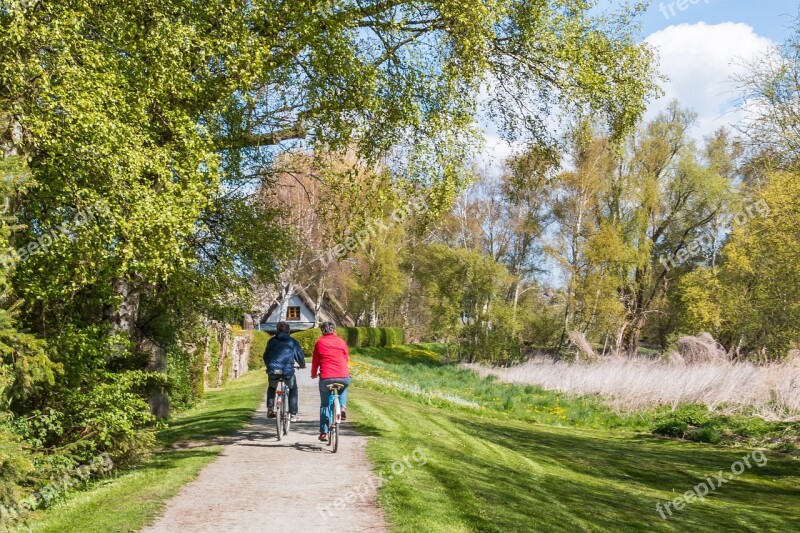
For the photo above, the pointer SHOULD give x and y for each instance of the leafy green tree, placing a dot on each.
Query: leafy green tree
(632, 220)
(753, 295)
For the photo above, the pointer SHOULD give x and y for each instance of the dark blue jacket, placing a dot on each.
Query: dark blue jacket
(282, 352)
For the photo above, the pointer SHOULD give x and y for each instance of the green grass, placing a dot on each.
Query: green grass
(534, 460)
(130, 500)
(440, 383)
(423, 372)
(487, 474)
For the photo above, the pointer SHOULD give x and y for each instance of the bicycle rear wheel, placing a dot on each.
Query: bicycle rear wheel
(279, 414)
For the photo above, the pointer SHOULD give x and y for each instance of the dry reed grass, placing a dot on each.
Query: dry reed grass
(635, 384)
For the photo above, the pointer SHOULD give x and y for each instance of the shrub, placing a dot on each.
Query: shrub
(257, 348)
(16, 465)
(179, 362)
(395, 337)
(213, 365)
(356, 337)
(362, 337)
(308, 339)
(376, 337)
(352, 337)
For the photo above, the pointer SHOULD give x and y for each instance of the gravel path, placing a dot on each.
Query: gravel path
(259, 484)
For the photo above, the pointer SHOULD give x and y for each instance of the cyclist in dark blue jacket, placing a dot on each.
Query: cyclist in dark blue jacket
(282, 352)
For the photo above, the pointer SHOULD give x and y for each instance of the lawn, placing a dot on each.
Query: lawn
(487, 470)
(129, 500)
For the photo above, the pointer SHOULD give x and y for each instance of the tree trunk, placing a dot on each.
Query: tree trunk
(634, 336)
(373, 314)
(123, 322)
(620, 339)
(156, 362)
(318, 303)
(123, 317)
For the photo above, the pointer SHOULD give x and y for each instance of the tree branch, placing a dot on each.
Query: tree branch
(254, 140)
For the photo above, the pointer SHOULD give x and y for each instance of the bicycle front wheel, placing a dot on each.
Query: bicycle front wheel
(337, 414)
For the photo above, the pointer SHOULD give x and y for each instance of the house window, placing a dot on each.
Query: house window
(293, 313)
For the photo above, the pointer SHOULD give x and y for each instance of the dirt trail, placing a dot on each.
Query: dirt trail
(259, 484)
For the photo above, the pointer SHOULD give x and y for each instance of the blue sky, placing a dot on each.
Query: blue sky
(769, 18)
(700, 48)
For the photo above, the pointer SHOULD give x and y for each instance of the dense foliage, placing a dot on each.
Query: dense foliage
(135, 139)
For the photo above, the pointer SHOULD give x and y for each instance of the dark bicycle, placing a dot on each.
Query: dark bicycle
(282, 416)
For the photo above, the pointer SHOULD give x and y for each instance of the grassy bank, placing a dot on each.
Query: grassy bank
(504, 457)
(129, 500)
(487, 474)
(421, 373)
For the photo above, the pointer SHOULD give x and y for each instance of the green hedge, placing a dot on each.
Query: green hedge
(360, 337)
(307, 340)
(257, 348)
(395, 337)
(376, 336)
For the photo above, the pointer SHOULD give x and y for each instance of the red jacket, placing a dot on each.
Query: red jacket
(330, 358)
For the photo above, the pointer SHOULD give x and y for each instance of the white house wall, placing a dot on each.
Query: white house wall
(306, 314)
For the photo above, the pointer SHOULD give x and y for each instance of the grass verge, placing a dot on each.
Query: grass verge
(422, 373)
(131, 499)
(486, 474)
(505, 457)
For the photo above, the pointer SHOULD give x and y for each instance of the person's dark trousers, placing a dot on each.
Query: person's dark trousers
(324, 398)
(294, 393)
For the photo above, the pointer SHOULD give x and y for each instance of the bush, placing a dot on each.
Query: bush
(358, 337)
(307, 340)
(16, 464)
(257, 348)
(213, 365)
(351, 337)
(363, 338)
(179, 370)
(395, 337)
(376, 337)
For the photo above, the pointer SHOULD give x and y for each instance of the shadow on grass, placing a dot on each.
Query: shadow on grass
(615, 483)
(492, 475)
(167, 460)
(205, 425)
(221, 413)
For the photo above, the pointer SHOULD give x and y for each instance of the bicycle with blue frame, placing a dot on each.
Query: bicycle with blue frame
(334, 414)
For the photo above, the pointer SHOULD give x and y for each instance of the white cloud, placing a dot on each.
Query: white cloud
(700, 60)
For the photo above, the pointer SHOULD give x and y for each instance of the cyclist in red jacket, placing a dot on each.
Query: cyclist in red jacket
(330, 363)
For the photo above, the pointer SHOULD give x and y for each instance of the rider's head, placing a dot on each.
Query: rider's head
(283, 327)
(327, 327)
